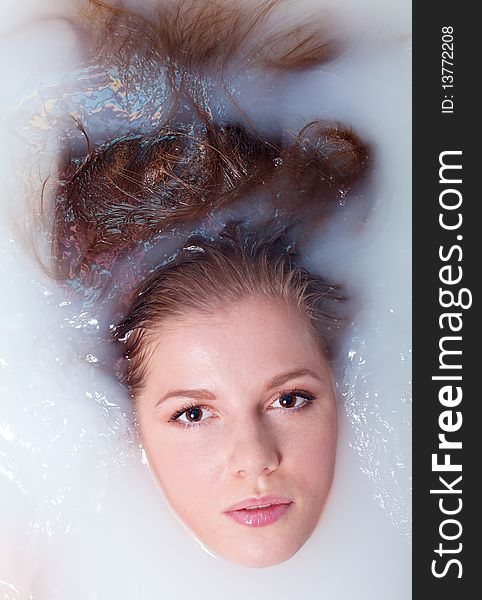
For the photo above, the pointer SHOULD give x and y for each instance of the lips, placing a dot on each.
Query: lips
(259, 512)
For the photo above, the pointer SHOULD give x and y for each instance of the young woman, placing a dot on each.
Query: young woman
(228, 342)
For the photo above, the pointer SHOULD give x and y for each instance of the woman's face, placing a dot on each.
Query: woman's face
(238, 421)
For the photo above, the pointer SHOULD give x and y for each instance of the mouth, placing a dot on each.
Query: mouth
(259, 512)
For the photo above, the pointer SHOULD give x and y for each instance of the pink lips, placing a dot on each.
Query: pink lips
(259, 512)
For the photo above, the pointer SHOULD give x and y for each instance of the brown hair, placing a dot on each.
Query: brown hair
(128, 191)
(207, 275)
(124, 193)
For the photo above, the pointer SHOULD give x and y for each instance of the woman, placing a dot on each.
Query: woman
(231, 377)
(228, 340)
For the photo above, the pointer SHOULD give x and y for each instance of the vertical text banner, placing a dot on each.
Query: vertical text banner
(447, 236)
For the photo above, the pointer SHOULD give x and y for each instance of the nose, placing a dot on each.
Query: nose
(254, 451)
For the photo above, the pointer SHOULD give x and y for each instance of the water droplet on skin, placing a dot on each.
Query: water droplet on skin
(277, 162)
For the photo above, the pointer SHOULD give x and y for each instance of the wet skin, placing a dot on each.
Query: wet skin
(240, 406)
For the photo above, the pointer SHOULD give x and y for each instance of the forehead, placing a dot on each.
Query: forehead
(255, 336)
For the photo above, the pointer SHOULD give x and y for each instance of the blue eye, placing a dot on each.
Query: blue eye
(293, 400)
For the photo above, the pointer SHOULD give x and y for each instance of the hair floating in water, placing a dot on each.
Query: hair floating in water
(125, 193)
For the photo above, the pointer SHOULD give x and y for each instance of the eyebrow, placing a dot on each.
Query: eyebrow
(203, 394)
(284, 377)
(198, 394)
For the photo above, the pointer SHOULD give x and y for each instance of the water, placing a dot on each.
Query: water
(80, 515)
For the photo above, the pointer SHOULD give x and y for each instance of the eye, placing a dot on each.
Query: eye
(293, 400)
(192, 414)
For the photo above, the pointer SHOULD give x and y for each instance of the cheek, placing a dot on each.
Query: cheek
(185, 463)
(309, 452)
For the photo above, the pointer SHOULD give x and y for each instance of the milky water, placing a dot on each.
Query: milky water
(80, 515)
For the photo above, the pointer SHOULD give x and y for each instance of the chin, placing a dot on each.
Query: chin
(260, 557)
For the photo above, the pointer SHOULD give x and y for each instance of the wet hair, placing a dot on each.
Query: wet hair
(128, 191)
(125, 191)
(207, 275)
(122, 194)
